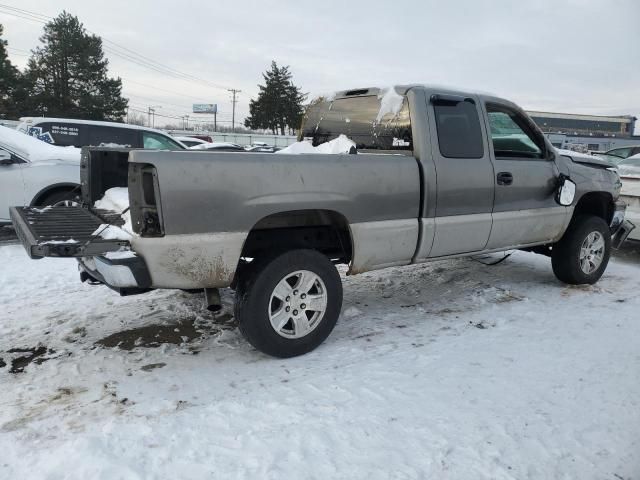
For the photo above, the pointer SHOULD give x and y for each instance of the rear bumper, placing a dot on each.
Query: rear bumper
(125, 274)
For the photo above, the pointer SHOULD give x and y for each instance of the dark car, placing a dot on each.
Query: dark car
(81, 133)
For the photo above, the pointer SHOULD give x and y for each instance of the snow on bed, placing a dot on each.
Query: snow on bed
(449, 370)
(116, 200)
(33, 149)
(342, 144)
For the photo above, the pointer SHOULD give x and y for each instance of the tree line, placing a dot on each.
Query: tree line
(67, 76)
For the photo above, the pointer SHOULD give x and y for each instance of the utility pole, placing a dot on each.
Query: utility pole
(151, 114)
(234, 92)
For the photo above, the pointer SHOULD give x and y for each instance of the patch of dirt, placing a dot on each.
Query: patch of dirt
(153, 366)
(35, 355)
(153, 336)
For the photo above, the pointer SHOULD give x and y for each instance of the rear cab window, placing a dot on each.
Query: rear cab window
(361, 117)
(458, 127)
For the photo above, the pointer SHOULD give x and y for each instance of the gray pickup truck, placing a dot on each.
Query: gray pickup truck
(434, 174)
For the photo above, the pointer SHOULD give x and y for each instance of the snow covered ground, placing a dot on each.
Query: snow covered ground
(450, 370)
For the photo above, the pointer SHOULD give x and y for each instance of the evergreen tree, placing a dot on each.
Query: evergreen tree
(67, 75)
(9, 83)
(279, 102)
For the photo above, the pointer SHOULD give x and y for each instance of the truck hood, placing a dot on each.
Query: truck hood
(586, 159)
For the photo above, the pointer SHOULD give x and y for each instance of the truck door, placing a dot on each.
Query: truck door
(464, 176)
(525, 210)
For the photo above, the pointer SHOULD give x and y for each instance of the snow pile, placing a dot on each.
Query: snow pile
(59, 242)
(115, 200)
(342, 144)
(33, 149)
(390, 102)
(496, 372)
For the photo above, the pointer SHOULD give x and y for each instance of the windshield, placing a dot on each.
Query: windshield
(363, 119)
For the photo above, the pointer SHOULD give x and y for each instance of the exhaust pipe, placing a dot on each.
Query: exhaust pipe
(212, 299)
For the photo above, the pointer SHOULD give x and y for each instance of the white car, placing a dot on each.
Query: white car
(219, 146)
(629, 170)
(33, 172)
(190, 141)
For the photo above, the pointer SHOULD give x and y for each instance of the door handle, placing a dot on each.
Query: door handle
(505, 178)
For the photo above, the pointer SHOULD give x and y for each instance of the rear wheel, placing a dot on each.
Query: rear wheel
(582, 255)
(290, 303)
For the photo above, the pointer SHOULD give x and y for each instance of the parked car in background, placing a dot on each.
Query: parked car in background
(190, 141)
(81, 133)
(220, 147)
(34, 172)
(629, 171)
(629, 167)
(617, 154)
(262, 149)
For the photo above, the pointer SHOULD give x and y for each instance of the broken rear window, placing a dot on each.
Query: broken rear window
(359, 119)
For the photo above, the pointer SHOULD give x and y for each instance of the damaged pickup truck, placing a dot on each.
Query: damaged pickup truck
(425, 174)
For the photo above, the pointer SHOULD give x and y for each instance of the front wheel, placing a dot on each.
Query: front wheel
(289, 303)
(582, 255)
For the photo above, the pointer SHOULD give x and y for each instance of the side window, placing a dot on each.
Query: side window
(511, 134)
(111, 136)
(458, 126)
(154, 141)
(621, 152)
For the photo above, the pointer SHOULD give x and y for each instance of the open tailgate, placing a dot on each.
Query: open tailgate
(63, 231)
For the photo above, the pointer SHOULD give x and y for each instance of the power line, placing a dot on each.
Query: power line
(127, 54)
(117, 49)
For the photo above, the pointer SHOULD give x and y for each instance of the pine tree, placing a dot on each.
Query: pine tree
(279, 102)
(68, 77)
(9, 82)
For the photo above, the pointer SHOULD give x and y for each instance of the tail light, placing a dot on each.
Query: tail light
(144, 192)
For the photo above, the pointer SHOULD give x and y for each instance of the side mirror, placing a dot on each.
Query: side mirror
(566, 191)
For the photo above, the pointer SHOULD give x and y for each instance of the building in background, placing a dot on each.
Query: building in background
(587, 132)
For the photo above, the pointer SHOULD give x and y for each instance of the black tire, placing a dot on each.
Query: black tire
(59, 196)
(254, 302)
(565, 257)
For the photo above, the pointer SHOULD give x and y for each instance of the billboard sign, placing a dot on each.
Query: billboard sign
(205, 108)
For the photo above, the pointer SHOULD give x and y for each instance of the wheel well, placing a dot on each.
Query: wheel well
(324, 230)
(599, 204)
(51, 189)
